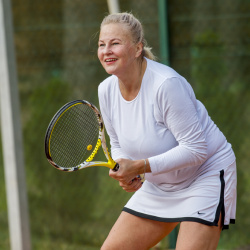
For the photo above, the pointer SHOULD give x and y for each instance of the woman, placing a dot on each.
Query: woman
(157, 128)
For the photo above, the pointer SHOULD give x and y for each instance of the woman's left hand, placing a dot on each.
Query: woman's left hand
(133, 186)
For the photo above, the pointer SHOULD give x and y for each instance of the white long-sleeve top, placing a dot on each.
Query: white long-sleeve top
(166, 124)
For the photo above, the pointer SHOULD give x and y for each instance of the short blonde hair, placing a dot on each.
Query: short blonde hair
(134, 26)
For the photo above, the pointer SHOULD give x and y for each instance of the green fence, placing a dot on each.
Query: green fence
(56, 43)
(210, 46)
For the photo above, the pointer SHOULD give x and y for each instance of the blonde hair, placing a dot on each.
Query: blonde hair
(135, 28)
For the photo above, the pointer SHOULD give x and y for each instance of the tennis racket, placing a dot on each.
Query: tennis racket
(74, 136)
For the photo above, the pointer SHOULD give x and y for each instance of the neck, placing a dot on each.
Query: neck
(130, 85)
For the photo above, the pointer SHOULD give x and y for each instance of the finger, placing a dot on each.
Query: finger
(137, 184)
(113, 174)
(133, 185)
(133, 188)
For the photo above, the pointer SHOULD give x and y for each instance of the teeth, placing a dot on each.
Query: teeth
(110, 60)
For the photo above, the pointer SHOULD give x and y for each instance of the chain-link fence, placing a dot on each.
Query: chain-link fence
(56, 44)
(210, 45)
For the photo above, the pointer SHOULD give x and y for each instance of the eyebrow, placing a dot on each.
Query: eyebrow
(111, 40)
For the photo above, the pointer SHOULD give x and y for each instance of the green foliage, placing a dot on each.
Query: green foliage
(68, 206)
(207, 67)
(4, 235)
(57, 62)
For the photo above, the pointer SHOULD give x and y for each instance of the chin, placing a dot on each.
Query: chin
(110, 72)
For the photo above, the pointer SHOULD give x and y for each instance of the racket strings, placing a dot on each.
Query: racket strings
(76, 129)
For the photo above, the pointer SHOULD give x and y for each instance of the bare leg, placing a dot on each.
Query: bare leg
(196, 236)
(133, 233)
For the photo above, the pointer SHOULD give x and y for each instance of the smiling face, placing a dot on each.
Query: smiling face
(116, 50)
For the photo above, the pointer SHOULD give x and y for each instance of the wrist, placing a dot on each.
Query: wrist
(142, 167)
(147, 166)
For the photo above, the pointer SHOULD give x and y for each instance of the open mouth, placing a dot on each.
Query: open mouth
(110, 60)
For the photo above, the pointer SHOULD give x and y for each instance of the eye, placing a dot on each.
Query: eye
(115, 43)
(101, 45)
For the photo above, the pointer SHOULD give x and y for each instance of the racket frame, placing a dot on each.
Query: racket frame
(101, 141)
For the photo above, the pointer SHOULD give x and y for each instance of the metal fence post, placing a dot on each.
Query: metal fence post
(165, 59)
(12, 135)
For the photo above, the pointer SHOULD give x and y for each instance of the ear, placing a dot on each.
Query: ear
(139, 48)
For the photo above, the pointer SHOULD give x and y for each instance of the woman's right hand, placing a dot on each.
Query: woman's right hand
(128, 174)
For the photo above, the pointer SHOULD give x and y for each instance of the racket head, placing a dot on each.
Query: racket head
(74, 136)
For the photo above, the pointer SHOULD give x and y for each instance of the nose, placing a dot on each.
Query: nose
(107, 50)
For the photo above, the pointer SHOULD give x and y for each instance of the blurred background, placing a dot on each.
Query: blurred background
(56, 55)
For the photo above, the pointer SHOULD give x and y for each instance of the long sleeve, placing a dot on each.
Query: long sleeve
(176, 107)
(164, 123)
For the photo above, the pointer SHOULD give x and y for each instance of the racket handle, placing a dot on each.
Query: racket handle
(116, 167)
